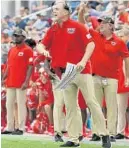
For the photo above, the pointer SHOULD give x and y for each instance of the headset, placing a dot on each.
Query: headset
(66, 6)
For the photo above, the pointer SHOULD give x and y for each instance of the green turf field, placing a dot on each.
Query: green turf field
(8, 142)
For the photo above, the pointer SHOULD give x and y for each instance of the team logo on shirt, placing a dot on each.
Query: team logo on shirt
(88, 36)
(113, 43)
(71, 30)
(20, 53)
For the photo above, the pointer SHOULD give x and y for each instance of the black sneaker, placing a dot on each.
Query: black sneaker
(119, 136)
(106, 142)
(17, 132)
(80, 138)
(112, 139)
(6, 132)
(70, 144)
(58, 138)
(95, 138)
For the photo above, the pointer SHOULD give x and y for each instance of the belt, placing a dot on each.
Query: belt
(61, 70)
(93, 74)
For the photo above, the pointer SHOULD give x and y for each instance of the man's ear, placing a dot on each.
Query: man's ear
(112, 27)
(66, 12)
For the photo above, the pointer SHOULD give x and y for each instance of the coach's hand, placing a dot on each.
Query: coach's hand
(80, 66)
(24, 85)
(127, 82)
(42, 50)
(46, 53)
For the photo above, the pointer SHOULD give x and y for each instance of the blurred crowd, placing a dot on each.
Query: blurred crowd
(36, 26)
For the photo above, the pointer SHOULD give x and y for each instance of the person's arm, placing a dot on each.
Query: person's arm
(29, 60)
(88, 52)
(42, 50)
(5, 75)
(26, 82)
(126, 71)
(81, 12)
(45, 43)
(89, 46)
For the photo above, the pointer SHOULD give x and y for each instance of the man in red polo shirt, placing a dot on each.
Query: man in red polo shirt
(18, 71)
(106, 66)
(106, 60)
(69, 41)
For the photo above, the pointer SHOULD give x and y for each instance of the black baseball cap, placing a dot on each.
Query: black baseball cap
(19, 32)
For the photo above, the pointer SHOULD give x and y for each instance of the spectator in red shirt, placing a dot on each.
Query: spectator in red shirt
(46, 99)
(123, 15)
(18, 71)
(69, 41)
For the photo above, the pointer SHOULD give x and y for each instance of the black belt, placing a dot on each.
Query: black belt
(62, 70)
(93, 74)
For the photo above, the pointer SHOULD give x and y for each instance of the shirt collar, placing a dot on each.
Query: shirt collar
(20, 46)
(112, 38)
(64, 24)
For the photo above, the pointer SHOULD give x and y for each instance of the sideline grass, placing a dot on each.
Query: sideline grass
(6, 142)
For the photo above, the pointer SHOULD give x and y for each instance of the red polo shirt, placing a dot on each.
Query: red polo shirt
(19, 58)
(107, 55)
(67, 43)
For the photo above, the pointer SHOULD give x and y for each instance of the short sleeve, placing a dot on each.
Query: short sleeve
(85, 35)
(47, 40)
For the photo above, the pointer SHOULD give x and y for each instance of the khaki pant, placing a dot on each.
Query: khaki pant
(59, 115)
(83, 82)
(122, 106)
(18, 95)
(108, 90)
(16, 125)
(57, 110)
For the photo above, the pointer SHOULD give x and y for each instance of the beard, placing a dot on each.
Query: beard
(18, 42)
